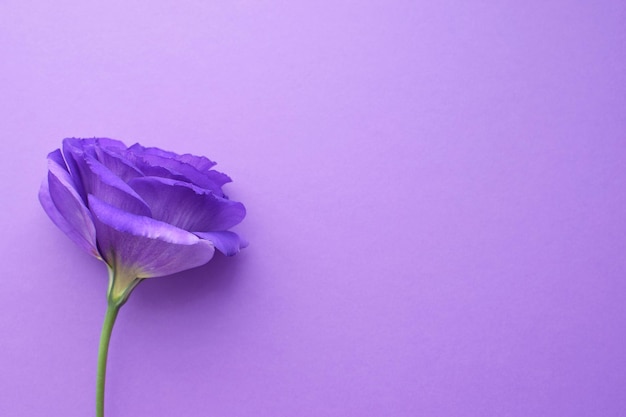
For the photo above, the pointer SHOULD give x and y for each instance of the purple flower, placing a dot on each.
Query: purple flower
(146, 212)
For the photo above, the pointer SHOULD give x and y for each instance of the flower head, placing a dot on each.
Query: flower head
(146, 212)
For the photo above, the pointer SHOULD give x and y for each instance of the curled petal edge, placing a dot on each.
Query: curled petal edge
(227, 242)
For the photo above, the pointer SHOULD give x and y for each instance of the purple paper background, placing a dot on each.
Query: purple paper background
(436, 198)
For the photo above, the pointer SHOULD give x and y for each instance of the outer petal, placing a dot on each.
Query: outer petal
(65, 207)
(143, 246)
(186, 206)
(227, 242)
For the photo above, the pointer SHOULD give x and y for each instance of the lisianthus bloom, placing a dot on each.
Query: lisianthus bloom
(146, 212)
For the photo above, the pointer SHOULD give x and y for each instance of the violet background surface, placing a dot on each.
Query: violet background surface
(436, 198)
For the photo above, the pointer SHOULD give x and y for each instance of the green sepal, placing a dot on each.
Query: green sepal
(121, 284)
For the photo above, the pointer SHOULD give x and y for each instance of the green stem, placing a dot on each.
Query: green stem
(120, 287)
(105, 337)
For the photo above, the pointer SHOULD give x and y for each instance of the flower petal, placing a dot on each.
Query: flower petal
(57, 157)
(71, 148)
(118, 163)
(104, 184)
(75, 149)
(201, 163)
(156, 162)
(144, 246)
(186, 206)
(65, 207)
(227, 242)
(90, 145)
